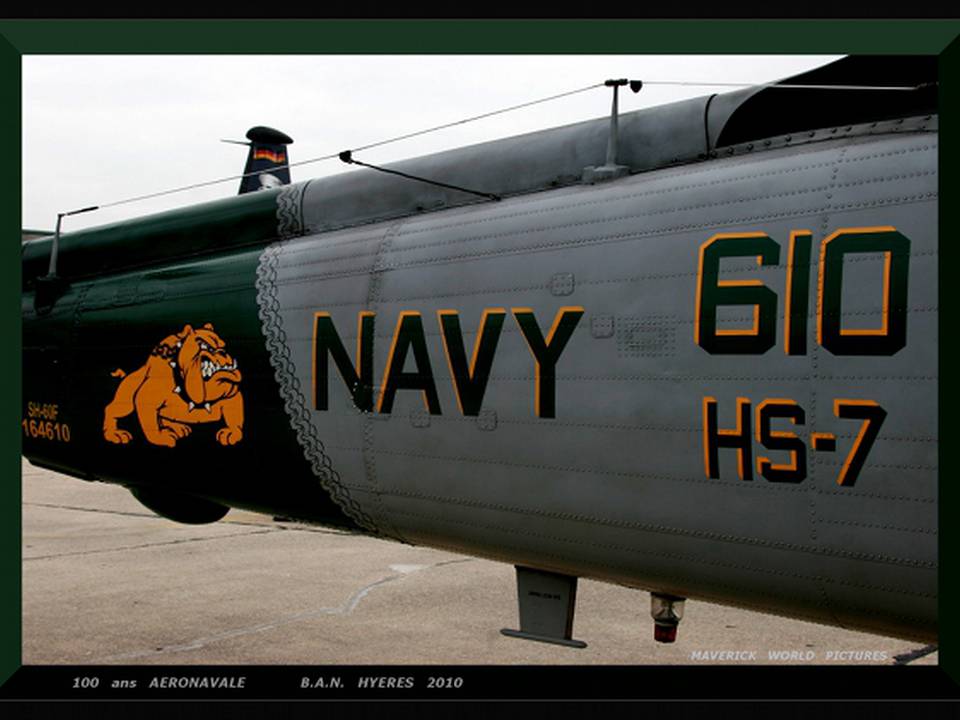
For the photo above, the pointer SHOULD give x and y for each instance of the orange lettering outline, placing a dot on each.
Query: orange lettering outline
(820, 272)
(727, 283)
(776, 434)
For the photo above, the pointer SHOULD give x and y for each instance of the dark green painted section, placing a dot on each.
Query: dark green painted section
(210, 227)
(471, 377)
(409, 337)
(326, 345)
(481, 36)
(546, 352)
(742, 441)
(895, 337)
(113, 323)
(873, 417)
(10, 561)
(712, 295)
(949, 500)
(797, 417)
(799, 293)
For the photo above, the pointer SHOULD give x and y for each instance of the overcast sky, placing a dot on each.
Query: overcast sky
(97, 129)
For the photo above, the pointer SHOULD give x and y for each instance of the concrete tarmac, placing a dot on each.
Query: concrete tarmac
(105, 581)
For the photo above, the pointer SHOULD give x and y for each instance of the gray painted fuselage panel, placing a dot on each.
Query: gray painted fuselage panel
(614, 486)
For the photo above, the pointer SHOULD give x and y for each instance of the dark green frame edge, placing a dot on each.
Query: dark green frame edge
(479, 36)
(10, 358)
(454, 37)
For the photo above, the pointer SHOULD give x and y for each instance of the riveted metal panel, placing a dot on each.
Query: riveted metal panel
(614, 486)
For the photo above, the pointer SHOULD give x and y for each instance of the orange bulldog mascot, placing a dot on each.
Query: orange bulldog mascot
(189, 378)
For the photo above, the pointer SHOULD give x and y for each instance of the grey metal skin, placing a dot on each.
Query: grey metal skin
(614, 486)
